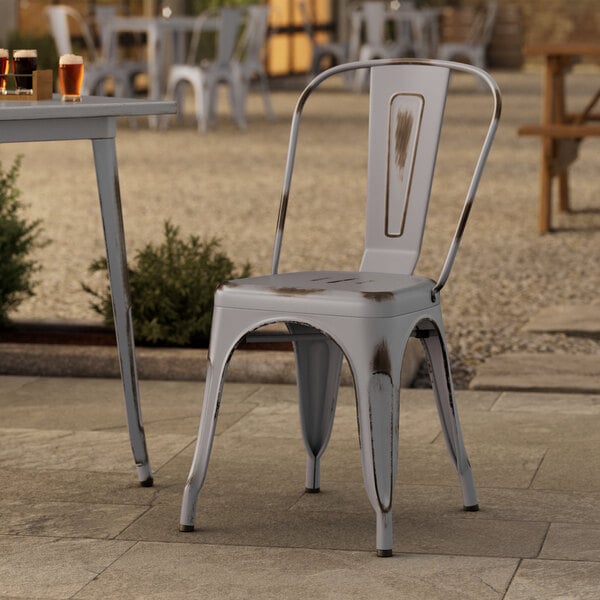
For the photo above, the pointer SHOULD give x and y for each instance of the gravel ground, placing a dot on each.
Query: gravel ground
(226, 183)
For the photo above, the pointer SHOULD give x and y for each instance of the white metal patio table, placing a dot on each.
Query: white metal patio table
(95, 118)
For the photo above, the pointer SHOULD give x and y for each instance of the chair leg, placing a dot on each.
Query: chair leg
(237, 105)
(266, 94)
(318, 366)
(215, 377)
(377, 384)
(441, 381)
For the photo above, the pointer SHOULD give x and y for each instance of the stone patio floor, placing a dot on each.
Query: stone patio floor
(74, 523)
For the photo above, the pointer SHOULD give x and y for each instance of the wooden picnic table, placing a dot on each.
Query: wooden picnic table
(560, 131)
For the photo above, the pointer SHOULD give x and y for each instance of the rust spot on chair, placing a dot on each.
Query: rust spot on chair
(378, 296)
(342, 280)
(293, 291)
(381, 360)
(404, 125)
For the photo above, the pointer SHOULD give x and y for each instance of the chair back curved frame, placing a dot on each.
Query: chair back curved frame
(59, 16)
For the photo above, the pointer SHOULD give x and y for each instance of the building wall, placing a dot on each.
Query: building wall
(529, 22)
(520, 22)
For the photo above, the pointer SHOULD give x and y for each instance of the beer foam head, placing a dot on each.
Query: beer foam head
(70, 59)
(3, 53)
(25, 54)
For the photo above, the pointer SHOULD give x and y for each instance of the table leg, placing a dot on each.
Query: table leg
(105, 158)
(545, 190)
(563, 191)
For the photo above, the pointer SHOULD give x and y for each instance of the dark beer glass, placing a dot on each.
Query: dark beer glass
(24, 64)
(70, 77)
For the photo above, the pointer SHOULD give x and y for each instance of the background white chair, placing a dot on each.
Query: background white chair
(64, 21)
(368, 315)
(377, 43)
(249, 59)
(205, 77)
(473, 49)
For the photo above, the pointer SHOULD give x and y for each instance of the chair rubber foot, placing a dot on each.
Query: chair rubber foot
(186, 528)
(385, 553)
(312, 490)
(147, 482)
(472, 508)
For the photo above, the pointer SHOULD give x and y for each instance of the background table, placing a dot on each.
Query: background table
(157, 30)
(95, 119)
(560, 131)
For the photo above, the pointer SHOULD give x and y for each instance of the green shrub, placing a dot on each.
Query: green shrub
(44, 44)
(17, 239)
(172, 287)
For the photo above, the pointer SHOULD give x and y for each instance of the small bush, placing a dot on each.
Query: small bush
(44, 44)
(172, 288)
(17, 239)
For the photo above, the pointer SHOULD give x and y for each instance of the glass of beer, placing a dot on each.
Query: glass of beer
(70, 77)
(24, 64)
(4, 65)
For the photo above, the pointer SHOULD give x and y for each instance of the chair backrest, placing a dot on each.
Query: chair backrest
(230, 20)
(481, 31)
(407, 102)
(103, 15)
(255, 34)
(60, 18)
(374, 21)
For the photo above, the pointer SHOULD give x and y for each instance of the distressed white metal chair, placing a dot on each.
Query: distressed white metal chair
(99, 69)
(368, 315)
(473, 49)
(205, 77)
(104, 15)
(249, 62)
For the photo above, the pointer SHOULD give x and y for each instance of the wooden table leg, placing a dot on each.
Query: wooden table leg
(544, 223)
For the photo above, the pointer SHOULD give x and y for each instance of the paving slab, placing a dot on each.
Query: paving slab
(558, 404)
(572, 541)
(541, 579)
(275, 573)
(105, 451)
(53, 568)
(557, 470)
(549, 372)
(67, 519)
(571, 319)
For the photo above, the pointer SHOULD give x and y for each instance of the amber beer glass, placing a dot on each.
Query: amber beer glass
(24, 64)
(4, 64)
(70, 77)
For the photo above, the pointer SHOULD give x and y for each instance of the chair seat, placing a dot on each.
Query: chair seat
(343, 293)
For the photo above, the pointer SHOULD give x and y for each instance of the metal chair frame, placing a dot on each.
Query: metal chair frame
(366, 316)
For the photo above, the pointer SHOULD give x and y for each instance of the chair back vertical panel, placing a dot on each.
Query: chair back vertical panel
(406, 112)
(231, 20)
(255, 33)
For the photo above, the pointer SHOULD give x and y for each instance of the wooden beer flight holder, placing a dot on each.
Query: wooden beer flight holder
(42, 84)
